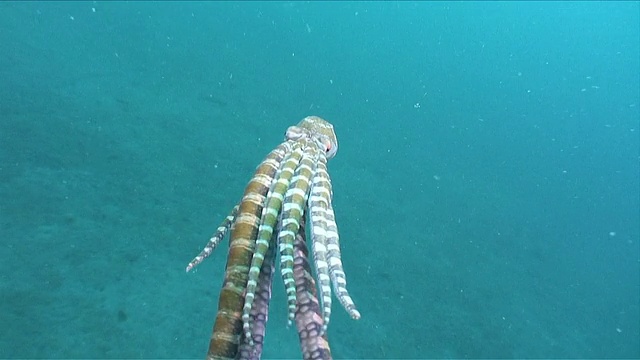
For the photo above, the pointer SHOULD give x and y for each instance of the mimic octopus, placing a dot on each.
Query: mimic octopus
(290, 185)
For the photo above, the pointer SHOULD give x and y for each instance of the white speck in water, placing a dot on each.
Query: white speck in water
(612, 233)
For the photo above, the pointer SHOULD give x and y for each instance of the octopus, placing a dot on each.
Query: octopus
(290, 186)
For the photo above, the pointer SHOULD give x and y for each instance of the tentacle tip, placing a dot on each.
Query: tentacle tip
(355, 314)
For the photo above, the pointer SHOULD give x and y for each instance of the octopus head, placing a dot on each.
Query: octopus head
(318, 130)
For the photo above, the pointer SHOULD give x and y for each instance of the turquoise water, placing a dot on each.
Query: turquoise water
(486, 185)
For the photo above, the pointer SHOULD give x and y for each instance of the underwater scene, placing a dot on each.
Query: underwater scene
(349, 180)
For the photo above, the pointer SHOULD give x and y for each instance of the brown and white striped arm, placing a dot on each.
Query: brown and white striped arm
(251, 346)
(293, 210)
(227, 330)
(268, 221)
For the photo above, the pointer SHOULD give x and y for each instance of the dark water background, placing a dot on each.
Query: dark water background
(486, 186)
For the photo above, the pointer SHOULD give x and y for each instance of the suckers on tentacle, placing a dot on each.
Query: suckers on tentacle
(313, 341)
(290, 184)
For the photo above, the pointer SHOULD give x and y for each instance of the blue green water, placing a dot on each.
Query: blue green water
(486, 185)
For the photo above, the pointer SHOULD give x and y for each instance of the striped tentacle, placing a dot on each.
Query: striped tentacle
(324, 136)
(268, 221)
(292, 212)
(227, 330)
(259, 311)
(313, 340)
(215, 239)
(318, 205)
(336, 271)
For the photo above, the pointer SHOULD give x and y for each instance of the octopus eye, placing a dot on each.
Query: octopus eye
(327, 147)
